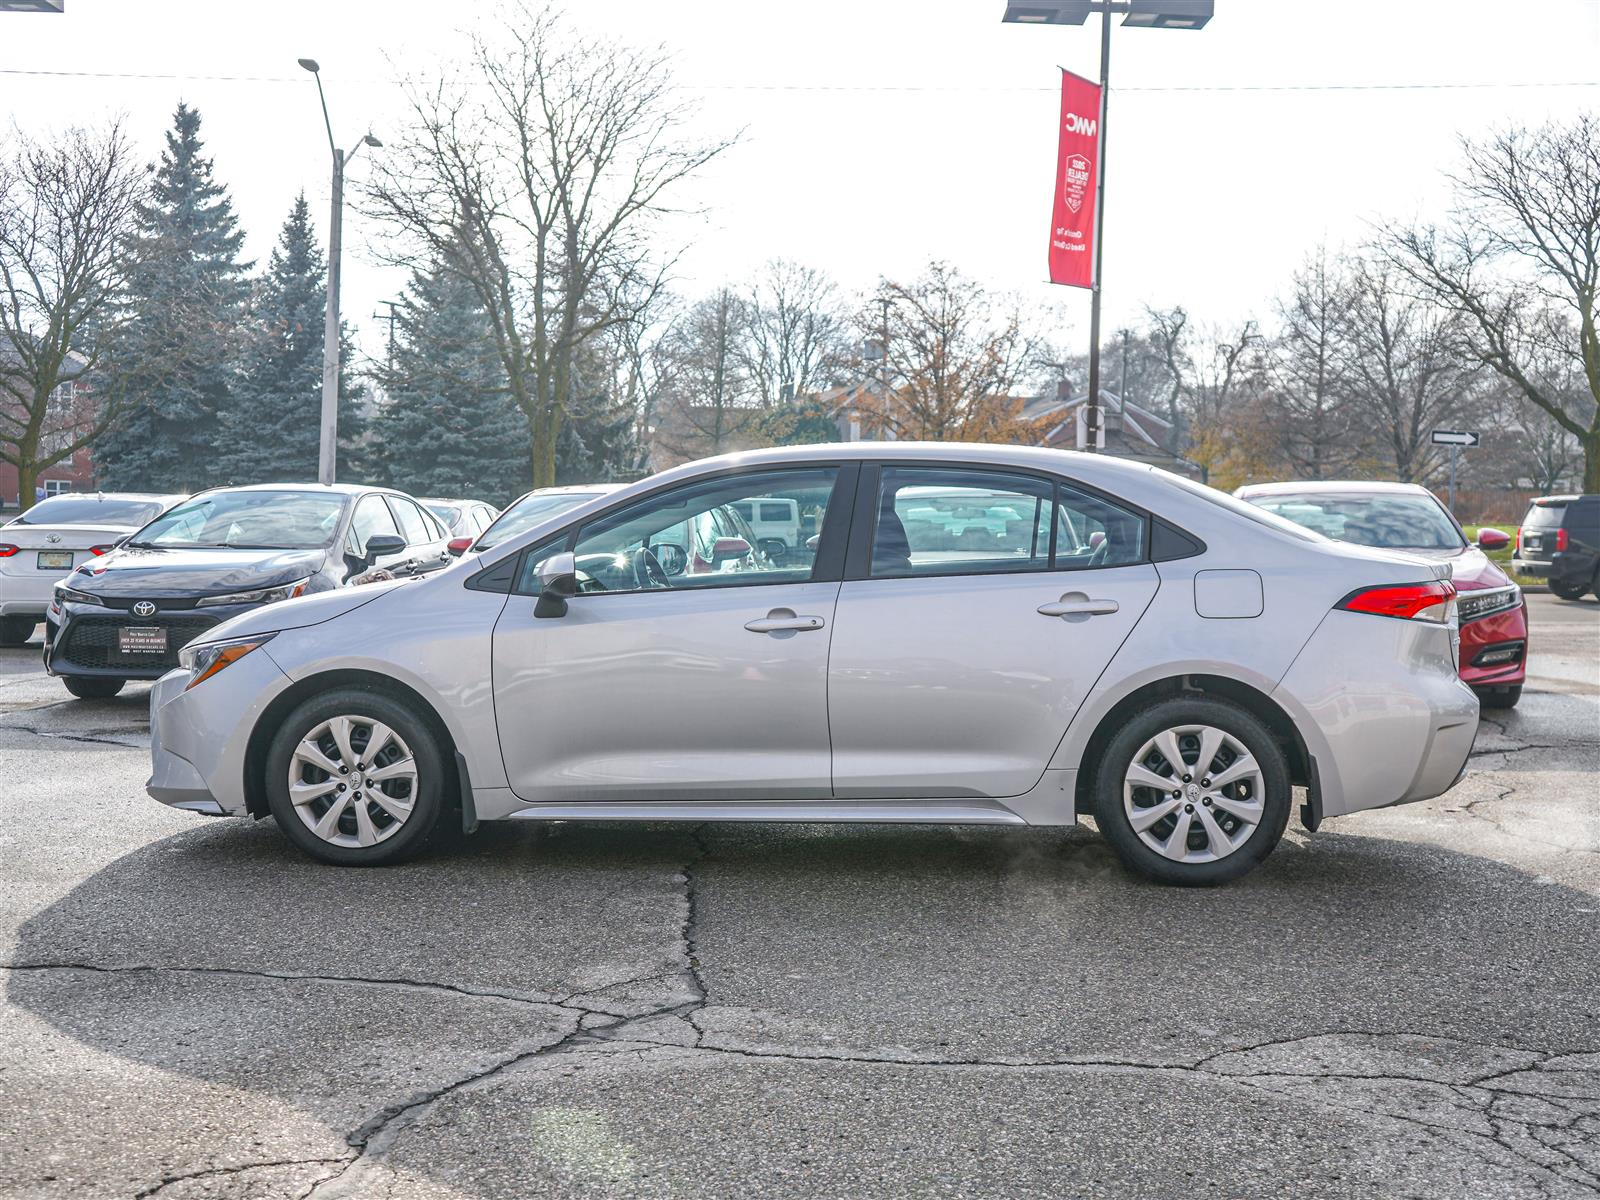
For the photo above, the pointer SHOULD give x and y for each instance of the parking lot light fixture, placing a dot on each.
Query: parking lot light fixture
(1150, 14)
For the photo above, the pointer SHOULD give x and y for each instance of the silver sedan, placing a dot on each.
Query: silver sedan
(959, 634)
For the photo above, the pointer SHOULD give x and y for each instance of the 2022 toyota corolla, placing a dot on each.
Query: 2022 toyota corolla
(975, 634)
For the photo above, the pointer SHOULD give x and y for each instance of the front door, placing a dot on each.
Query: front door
(692, 665)
(989, 604)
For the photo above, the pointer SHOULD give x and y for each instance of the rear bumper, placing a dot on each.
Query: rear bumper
(1564, 566)
(26, 595)
(1385, 713)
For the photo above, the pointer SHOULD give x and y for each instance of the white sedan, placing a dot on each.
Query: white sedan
(976, 635)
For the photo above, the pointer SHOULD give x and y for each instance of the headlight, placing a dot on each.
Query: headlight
(65, 593)
(270, 595)
(1481, 603)
(204, 659)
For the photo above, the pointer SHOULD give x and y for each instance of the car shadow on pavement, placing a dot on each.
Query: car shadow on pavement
(271, 1014)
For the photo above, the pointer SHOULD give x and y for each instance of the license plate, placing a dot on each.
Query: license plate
(55, 560)
(142, 639)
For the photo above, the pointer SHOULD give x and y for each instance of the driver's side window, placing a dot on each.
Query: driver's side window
(692, 537)
(372, 517)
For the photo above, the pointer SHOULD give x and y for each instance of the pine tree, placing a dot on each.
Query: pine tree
(270, 429)
(448, 426)
(175, 357)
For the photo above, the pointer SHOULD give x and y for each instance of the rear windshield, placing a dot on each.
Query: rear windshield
(268, 520)
(90, 510)
(1395, 521)
(1545, 516)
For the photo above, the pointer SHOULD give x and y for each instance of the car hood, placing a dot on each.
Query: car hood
(1470, 568)
(299, 613)
(134, 573)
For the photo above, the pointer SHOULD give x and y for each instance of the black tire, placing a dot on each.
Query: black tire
(93, 687)
(1503, 696)
(1568, 591)
(1232, 720)
(428, 794)
(15, 631)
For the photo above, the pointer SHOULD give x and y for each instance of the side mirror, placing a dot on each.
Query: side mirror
(382, 545)
(558, 579)
(727, 548)
(458, 546)
(1096, 540)
(813, 542)
(775, 548)
(1493, 539)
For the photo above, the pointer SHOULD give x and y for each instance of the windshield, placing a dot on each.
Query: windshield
(248, 520)
(90, 510)
(528, 512)
(1384, 519)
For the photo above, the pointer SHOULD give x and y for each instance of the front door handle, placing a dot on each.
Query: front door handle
(784, 620)
(1076, 604)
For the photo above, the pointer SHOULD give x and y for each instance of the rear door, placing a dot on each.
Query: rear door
(979, 606)
(427, 540)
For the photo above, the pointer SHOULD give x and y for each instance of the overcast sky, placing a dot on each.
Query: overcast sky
(881, 133)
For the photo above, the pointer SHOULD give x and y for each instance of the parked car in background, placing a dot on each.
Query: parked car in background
(1408, 517)
(772, 519)
(127, 614)
(1176, 681)
(57, 534)
(534, 508)
(462, 518)
(1559, 540)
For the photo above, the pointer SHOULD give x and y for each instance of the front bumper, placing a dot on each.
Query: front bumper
(199, 736)
(80, 639)
(1501, 639)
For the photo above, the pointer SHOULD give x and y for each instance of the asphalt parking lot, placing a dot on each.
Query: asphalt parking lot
(1406, 1004)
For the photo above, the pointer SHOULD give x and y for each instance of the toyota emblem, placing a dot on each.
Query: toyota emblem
(144, 608)
(52, 538)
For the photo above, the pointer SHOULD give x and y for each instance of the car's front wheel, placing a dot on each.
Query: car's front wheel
(356, 778)
(1192, 791)
(93, 687)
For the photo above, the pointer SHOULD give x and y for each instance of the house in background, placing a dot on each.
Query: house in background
(75, 473)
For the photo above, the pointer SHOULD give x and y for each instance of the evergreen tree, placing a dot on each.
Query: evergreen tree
(174, 358)
(448, 426)
(270, 429)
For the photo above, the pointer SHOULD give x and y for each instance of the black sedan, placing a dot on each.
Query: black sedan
(126, 614)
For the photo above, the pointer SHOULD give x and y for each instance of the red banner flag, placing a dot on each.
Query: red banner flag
(1077, 171)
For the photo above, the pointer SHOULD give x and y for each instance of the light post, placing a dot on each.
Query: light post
(328, 445)
(1149, 14)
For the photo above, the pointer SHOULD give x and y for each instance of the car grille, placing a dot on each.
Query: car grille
(92, 642)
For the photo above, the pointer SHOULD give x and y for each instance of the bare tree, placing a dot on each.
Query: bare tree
(953, 355)
(1520, 262)
(1221, 369)
(710, 405)
(66, 210)
(1168, 334)
(1309, 370)
(541, 179)
(1410, 370)
(795, 337)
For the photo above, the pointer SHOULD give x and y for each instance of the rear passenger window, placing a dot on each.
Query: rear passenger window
(962, 521)
(414, 526)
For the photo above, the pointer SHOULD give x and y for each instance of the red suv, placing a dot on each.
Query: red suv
(1404, 516)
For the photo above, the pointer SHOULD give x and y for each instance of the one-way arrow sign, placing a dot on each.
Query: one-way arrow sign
(1455, 437)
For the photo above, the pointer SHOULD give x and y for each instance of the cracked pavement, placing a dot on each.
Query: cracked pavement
(1406, 1004)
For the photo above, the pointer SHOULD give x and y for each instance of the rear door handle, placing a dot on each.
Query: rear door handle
(1076, 604)
(784, 620)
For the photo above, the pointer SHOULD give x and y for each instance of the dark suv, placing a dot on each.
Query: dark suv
(1559, 540)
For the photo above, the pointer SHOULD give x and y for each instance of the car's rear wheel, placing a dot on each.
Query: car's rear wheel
(356, 778)
(1192, 791)
(93, 687)
(1568, 591)
(15, 631)
(1502, 696)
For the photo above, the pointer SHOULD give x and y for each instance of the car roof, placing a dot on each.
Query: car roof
(1332, 487)
(338, 489)
(451, 500)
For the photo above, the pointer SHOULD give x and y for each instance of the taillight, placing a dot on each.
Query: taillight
(97, 551)
(7, 549)
(1561, 540)
(1519, 541)
(1408, 601)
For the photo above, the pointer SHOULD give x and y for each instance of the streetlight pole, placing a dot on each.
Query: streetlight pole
(1151, 14)
(328, 442)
